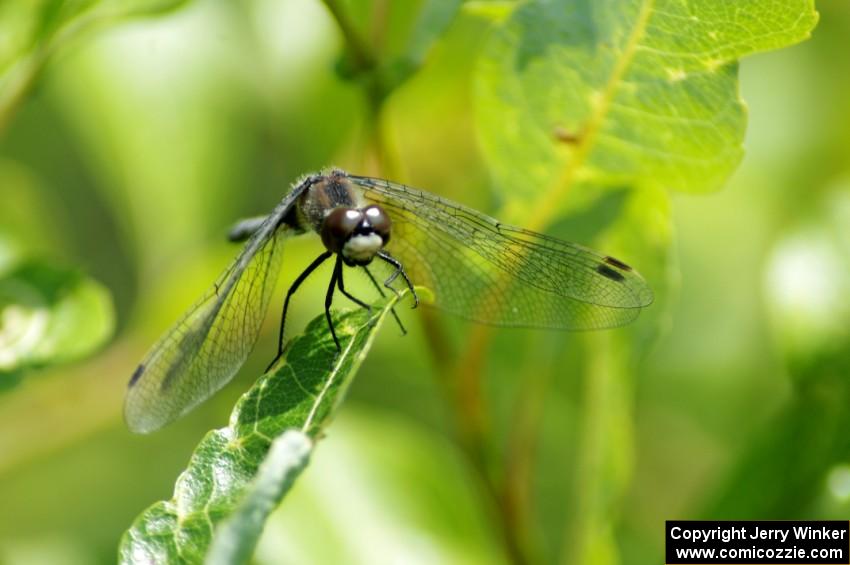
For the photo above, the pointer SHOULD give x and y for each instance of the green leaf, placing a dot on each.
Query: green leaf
(635, 93)
(433, 20)
(237, 537)
(50, 315)
(302, 394)
(578, 102)
(398, 63)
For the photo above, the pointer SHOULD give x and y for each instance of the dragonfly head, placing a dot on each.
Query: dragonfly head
(357, 234)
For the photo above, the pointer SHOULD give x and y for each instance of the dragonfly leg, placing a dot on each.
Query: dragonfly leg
(399, 270)
(301, 278)
(329, 297)
(341, 286)
(383, 294)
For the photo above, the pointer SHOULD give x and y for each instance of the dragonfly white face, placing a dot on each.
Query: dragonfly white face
(357, 235)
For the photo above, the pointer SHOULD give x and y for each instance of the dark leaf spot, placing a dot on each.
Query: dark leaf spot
(565, 136)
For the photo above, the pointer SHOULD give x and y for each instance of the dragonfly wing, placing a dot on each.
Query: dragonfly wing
(206, 348)
(490, 272)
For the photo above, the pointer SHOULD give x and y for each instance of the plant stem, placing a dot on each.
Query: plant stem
(461, 382)
(380, 15)
(599, 401)
(521, 448)
(361, 54)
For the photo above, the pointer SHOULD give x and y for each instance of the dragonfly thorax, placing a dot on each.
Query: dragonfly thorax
(356, 234)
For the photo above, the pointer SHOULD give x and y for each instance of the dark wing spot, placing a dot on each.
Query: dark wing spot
(136, 375)
(610, 273)
(617, 263)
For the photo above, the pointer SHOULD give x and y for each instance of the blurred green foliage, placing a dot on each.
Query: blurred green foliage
(236, 538)
(129, 150)
(49, 315)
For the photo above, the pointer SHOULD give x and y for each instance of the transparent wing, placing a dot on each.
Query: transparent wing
(486, 271)
(206, 348)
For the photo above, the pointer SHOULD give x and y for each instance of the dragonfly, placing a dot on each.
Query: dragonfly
(475, 267)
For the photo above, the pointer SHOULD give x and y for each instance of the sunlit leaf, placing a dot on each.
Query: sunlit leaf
(432, 21)
(236, 538)
(50, 315)
(302, 394)
(575, 99)
(434, 17)
(635, 93)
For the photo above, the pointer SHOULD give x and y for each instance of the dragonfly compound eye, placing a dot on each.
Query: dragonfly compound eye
(379, 220)
(338, 227)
